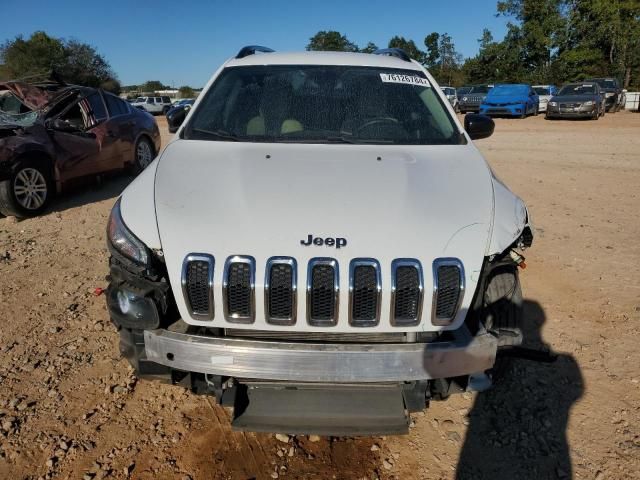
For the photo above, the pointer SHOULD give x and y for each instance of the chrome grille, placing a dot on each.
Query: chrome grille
(365, 288)
(238, 285)
(407, 289)
(322, 292)
(448, 289)
(197, 285)
(280, 290)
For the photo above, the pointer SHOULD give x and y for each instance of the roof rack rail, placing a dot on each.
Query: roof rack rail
(253, 49)
(393, 52)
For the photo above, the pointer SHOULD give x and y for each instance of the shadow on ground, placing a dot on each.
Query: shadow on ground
(94, 190)
(517, 430)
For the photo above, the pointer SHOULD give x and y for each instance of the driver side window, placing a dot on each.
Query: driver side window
(75, 117)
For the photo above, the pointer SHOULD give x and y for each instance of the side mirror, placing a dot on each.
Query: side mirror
(478, 126)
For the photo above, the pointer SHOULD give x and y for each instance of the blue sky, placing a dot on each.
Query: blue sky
(183, 42)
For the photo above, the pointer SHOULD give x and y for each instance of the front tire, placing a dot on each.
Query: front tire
(28, 192)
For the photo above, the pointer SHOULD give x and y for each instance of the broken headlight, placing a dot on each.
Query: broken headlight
(121, 241)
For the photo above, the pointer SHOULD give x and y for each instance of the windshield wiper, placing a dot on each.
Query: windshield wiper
(221, 134)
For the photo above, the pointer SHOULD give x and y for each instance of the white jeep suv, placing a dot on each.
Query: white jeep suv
(321, 246)
(153, 105)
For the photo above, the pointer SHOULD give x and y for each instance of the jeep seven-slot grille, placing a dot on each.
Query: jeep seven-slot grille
(448, 289)
(322, 292)
(364, 291)
(197, 285)
(280, 291)
(238, 289)
(407, 292)
(365, 294)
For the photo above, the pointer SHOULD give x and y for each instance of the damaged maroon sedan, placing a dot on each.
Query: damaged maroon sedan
(52, 135)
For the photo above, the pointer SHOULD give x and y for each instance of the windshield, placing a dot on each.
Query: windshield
(581, 89)
(14, 112)
(510, 90)
(323, 104)
(463, 90)
(449, 91)
(542, 90)
(480, 89)
(609, 84)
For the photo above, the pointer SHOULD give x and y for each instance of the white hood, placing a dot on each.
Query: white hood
(227, 198)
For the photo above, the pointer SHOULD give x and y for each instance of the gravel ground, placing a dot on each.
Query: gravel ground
(71, 408)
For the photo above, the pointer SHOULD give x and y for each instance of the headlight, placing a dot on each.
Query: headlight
(464, 99)
(123, 241)
(587, 104)
(553, 104)
(610, 94)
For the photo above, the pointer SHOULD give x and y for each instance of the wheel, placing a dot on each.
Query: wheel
(28, 191)
(536, 110)
(503, 303)
(144, 154)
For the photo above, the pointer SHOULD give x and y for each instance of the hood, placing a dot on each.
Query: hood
(263, 200)
(32, 96)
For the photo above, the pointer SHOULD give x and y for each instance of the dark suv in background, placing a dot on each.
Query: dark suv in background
(471, 101)
(614, 94)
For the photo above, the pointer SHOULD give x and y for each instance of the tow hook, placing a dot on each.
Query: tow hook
(542, 356)
(518, 259)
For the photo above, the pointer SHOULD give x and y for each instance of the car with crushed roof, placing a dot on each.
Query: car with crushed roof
(53, 136)
(302, 252)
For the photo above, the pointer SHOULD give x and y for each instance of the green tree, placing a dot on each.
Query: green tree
(370, 48)
(432, 54)
(331, 41)
(409, 47)
(186, 92)
(450, 59)
(151, 86)
(41, 54)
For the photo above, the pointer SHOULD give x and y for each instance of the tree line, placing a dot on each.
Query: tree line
(547, 41)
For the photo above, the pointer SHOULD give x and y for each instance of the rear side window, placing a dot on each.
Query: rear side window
(97, 107)
(116, 106)
(150, 100)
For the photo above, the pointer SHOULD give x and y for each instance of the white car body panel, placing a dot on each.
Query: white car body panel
(225, 199)
(259, 199)
(138, 209)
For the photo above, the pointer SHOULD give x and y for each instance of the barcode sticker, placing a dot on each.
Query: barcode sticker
(405, 79)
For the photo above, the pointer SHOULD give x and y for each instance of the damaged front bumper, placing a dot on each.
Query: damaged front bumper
(322, 362)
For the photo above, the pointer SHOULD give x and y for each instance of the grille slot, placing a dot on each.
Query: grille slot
(197, 285)
(238, 289)
(280, 291)
(322, 292)
(406, 292)
(448, 289)
(364, 292)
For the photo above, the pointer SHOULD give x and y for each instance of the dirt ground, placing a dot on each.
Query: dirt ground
(71, 408)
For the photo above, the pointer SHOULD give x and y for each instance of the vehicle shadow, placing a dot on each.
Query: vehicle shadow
(517, 429)
(90, 191)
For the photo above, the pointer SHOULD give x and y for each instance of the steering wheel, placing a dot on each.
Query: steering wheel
(376, 121)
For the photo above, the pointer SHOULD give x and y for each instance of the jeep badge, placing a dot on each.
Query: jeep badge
(337, 242)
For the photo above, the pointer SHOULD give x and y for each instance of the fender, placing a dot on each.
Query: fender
(510, 219)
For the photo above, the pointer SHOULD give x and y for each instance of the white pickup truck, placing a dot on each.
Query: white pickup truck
(321, 247)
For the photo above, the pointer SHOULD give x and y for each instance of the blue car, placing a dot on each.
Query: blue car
(511, 99)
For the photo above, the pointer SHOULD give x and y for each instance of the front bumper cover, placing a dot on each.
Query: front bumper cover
(322, 362)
